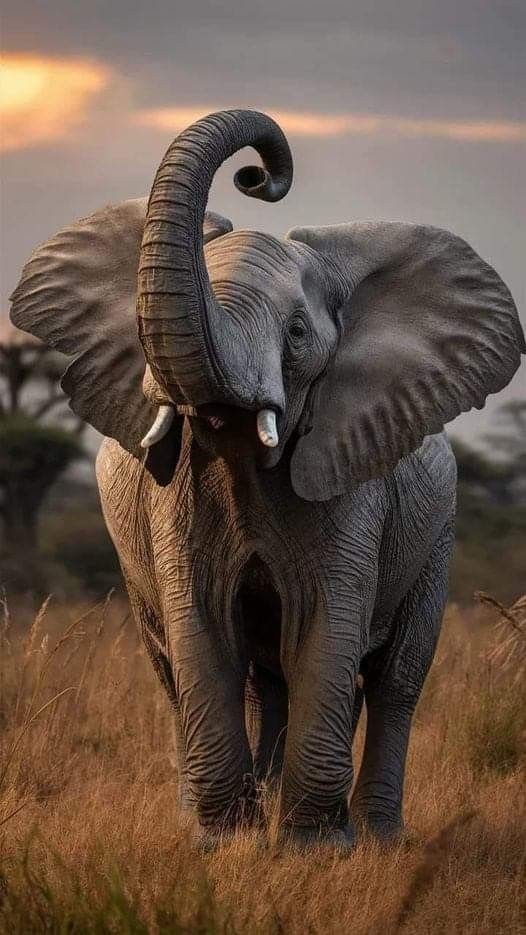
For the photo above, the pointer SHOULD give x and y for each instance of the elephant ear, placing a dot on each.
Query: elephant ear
(428, 330)
(77, 293)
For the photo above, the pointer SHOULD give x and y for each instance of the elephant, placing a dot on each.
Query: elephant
(275, 475)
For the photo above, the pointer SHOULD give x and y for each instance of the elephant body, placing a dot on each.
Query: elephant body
(274, 475)
(233, 577)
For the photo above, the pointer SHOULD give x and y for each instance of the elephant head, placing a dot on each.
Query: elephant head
(343, 345)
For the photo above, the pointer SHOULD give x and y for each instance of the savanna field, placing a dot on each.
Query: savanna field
(90, 836)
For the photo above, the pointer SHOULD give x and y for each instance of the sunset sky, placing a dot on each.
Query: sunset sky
(405, 110)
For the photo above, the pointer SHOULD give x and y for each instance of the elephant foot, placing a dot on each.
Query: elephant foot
(208, 838)
(385, 829)
(241, 814)
(342, 840)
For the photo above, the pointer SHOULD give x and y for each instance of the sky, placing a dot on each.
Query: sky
(410, 111)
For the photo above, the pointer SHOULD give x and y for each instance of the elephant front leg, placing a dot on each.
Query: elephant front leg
(394, 678)
(318, 770)
(210, 691)
(151, 628)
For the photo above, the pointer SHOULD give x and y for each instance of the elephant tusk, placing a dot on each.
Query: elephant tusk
(160, 427)
(267, 429)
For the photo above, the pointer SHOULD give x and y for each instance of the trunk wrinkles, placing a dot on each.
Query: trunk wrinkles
(178, 315)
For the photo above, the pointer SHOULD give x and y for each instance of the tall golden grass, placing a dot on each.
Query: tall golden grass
(92, 841)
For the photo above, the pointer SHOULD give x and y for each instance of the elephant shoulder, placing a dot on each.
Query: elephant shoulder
(429, 474)
(115, 470)
(436, 457)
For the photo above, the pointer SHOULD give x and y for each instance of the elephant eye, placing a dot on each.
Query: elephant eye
(297, 328)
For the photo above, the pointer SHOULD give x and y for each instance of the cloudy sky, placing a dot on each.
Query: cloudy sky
(411, 110)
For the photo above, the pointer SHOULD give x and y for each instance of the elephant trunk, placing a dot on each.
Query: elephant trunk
(176, 307)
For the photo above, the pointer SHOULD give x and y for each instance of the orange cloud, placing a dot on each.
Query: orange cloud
(474, 131)
(304, 123)
(42, 99)
(298, 123)
(172, 119)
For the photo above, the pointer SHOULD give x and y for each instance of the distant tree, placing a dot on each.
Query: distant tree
(491, 510)
(510, 440)
(39, 436)
(481, 475)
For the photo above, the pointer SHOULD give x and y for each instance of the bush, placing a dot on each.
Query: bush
(29, 448)
(76, 542)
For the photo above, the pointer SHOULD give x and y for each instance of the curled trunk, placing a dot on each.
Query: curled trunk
(176, 306)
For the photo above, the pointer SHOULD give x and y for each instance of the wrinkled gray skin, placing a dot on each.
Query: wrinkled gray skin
(265, 580)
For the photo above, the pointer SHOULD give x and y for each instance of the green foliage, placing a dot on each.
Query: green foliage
(475, 468)
(28, 448)
(33, 454)
(78, 544)
(511, 437)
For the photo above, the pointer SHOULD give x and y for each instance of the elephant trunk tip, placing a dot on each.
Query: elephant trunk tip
(256, 182)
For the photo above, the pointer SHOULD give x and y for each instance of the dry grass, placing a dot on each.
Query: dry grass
(90, 835)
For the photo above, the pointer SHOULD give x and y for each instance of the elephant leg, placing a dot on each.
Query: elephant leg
(210, 686)
(152, 633)
(187, 802)
(394, 677)
(267, 713)
(318, 769)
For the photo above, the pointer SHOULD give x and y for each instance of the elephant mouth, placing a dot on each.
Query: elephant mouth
(258, 426)
(216, 417)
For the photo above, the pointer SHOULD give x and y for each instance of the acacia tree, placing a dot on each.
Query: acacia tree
(39, 437)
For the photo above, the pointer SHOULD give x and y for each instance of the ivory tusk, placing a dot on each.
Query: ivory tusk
(267, 429)
(160, 427)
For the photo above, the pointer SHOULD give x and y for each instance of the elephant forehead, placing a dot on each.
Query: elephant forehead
(254, 263)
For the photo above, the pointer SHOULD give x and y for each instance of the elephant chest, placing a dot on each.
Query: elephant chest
(266, 569)
(256, 576)
(251, 557)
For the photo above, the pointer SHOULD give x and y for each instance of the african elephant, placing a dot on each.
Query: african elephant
(286, 523)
